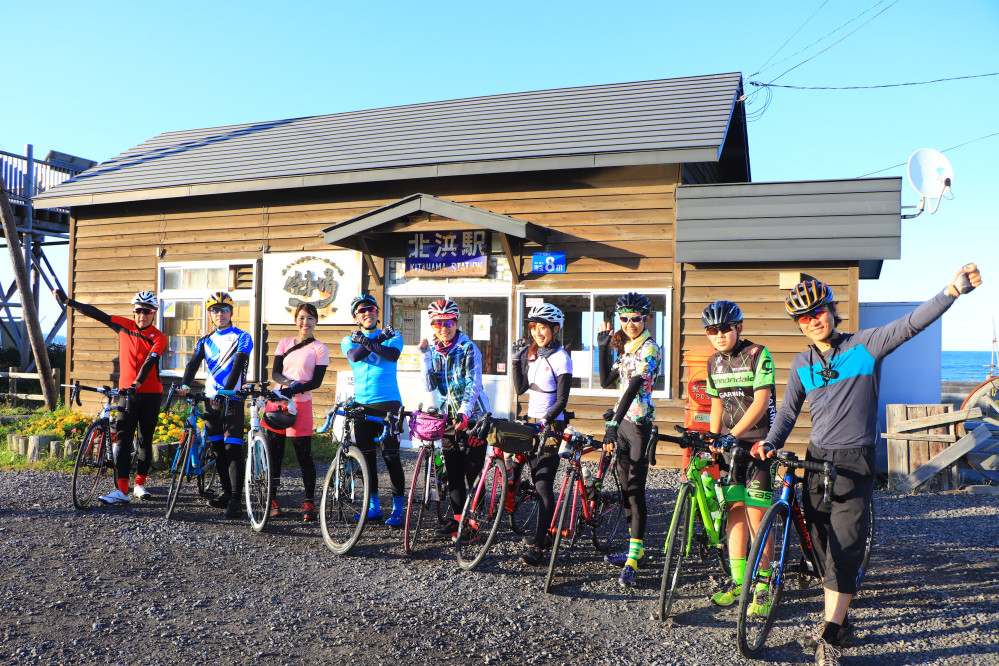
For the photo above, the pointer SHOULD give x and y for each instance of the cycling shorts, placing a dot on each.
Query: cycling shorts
(751, 481)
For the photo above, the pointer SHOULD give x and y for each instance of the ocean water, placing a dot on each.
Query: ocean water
(964, 366)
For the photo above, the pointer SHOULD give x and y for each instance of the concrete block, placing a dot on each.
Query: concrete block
(983, 490)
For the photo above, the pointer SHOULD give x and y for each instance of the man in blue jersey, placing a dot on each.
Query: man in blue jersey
(225, 352)
(839, 374)
(373, 356)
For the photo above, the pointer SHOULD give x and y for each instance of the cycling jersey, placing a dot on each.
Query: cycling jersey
(734, 378)
(540, 380)
(841, 384)
(300, 365)
(456, 377)
(218, 350)
(645, 360)
(375, 378)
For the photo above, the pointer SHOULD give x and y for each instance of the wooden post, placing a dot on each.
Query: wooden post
(29, 312)
(12, 381)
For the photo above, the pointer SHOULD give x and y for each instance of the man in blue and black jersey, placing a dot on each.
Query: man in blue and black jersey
(225, 353)
(839, 374)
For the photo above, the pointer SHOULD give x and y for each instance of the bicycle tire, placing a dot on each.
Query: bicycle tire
(420, 499)
(209, 472)
(524, 516)
(566, 530)
(754, 627)
(91, 463)
(482, 510)
(181, 464)
(444, 512)
(677, 544)
(346, 493)
(609, 511)
(257, 482)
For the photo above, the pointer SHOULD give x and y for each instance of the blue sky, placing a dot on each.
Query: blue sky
(95, 79)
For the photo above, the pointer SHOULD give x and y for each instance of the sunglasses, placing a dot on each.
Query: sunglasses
(218, 310)
(143, 311)
(444, 323)
(366, 309)
(715, 330)
(634, 320)
(809, 316)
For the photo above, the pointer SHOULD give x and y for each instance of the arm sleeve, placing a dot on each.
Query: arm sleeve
(790, 407)
(278, 369)
(520, 383)
(146, 368)
(92, 312)
(885, 339)
(428, 375)
(388, 350)
(354, 353)
(628, 397)
(193, 364)
(608, 375)
(562, 386)
(239, 360)
(473, 380)
(301, 387)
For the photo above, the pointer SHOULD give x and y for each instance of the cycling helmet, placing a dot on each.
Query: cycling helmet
(546, 313)
(219, 299)
(443, 308)
(147, 299)
(360, 300)
(806, 296)
(721, 312)
(280, 419)
(633, 302)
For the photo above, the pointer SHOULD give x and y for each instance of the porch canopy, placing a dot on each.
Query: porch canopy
(371, 232)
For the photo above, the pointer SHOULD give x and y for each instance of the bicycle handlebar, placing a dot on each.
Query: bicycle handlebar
(825, 468)
(349, 409)
(106, 391)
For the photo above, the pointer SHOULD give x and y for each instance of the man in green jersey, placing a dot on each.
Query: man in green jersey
(741, 385)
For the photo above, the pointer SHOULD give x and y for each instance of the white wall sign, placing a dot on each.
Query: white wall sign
(328, 280)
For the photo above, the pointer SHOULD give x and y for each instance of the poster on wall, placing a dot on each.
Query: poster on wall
(327, 280)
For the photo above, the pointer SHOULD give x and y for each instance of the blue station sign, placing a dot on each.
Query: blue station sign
(548, 262)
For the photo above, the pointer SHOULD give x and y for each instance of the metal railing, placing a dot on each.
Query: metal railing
(14, 169)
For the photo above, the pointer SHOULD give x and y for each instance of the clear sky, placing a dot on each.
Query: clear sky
(94, 79)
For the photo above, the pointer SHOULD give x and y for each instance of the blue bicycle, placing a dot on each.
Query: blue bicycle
(194, 457)
(343, 509)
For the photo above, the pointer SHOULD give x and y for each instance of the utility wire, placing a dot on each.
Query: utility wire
(763, 67)
(942, 151)
(886, 85)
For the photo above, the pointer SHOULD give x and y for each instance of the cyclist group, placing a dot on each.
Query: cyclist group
(838, 374)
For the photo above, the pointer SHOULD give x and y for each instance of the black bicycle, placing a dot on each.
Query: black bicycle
(767, 565)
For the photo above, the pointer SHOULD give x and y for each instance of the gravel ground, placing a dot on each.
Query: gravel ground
(115, 585)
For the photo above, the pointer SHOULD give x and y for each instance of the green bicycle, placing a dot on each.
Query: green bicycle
(699, 519)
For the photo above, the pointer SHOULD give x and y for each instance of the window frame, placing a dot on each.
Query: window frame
(201, 294)
(664, 343)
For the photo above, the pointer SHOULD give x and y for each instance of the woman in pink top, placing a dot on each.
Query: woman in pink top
(299, 367)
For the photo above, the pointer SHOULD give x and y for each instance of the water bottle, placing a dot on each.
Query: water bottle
(565, 449)
(588, 483)
(714, 508)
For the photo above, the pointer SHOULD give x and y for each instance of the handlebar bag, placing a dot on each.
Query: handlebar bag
(511, 437)
(428, 427)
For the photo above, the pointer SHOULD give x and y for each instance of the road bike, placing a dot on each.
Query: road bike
(699, 518)
(585, 499)
(97, 450)
(257, 476)
(429, 489)
(764, 579)
(343, 508)
(194, 456)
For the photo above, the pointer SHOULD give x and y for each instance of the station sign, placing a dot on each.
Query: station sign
(548, 262)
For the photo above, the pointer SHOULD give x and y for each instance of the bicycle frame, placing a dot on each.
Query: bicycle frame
(712, 524)
(579, 486)
(197, 446)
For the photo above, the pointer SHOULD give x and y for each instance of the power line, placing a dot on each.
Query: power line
(763, 67)
(885, 85)
(895, 166)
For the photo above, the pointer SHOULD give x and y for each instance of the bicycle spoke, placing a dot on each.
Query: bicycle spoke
(481, 516)
(91, 463)
(677, 542)
(763, 580)
(346, 492)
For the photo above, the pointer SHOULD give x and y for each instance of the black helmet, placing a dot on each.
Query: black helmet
(360, 300)
(280, 419)
(807, 296)
(721, 312)
(633, 302)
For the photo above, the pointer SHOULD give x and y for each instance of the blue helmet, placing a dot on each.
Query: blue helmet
(721, 312)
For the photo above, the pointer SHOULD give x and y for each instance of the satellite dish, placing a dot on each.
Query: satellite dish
(931, 175)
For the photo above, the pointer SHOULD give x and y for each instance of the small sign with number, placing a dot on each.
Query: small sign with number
(548, 262)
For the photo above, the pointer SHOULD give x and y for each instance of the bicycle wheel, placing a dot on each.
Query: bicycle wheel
(257, 482)
(677, 545)
(91, 463)
(763, 581)
(181, 463)
(480, 519)
(209, 473)
(569, 524)
(444, 511)
(420, 497)
(524, 516)
(609, 511)
(346, 492)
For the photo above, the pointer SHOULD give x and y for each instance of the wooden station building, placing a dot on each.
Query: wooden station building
(572, 196)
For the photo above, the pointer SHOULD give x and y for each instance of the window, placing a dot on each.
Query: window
(584, 314)
(184, 289)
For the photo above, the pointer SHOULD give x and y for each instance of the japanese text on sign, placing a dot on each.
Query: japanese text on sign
(447, 254)
(548, 262)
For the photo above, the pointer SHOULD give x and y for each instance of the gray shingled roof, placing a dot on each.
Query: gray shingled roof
(648, 122)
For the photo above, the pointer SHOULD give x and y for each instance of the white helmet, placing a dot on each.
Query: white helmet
(146, 298)
(546, 313)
